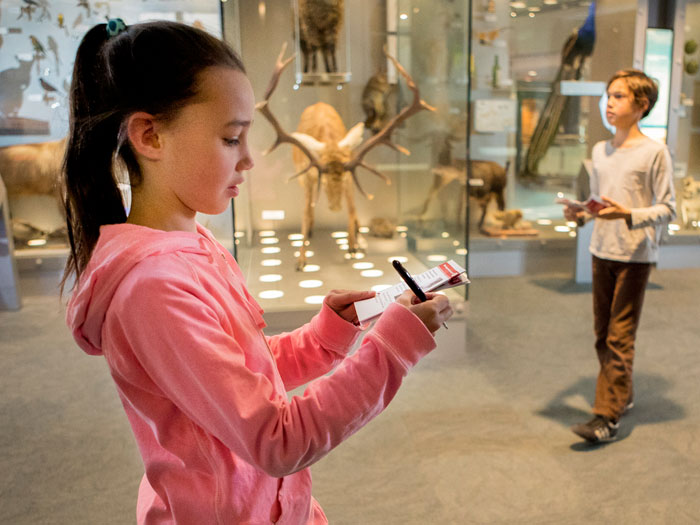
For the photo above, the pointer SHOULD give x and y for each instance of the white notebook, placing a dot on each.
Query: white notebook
(446, 275)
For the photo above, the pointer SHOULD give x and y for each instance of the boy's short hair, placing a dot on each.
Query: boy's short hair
(642, 87)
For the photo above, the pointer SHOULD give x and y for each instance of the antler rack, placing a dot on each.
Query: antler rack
(357, 160)
(283, 136)
(383, 136)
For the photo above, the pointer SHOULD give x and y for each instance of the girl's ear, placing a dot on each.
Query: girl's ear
(142, 131)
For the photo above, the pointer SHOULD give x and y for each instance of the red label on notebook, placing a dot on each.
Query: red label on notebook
(448, 270)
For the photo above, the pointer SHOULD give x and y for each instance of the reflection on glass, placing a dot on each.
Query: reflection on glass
(271, 294)
(270, 278)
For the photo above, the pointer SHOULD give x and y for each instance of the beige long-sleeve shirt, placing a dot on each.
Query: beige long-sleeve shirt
(640, 178)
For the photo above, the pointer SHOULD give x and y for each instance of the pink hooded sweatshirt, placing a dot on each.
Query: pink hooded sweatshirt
(205, 390)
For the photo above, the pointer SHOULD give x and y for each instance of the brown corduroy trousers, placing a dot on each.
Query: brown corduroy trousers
(618, 295)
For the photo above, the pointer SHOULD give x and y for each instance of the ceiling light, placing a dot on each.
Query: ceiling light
(311, 268)
(270, 278)
(271, 262)
(437, 258)
(371, 273)
(314, 299)
(363, 265)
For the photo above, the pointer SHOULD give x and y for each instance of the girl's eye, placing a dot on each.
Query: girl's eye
(232, 142)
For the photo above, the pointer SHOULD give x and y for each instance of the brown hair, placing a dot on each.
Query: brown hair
(152, 67)
(643, 88)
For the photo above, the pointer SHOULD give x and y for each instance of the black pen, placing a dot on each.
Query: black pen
(411, 283)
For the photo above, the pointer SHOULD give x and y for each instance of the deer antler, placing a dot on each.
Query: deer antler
(283, 136)
(383, 137)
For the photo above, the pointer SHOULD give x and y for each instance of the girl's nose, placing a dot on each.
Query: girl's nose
(246, 163)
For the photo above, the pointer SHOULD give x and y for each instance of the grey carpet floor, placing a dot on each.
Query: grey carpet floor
(478, 434)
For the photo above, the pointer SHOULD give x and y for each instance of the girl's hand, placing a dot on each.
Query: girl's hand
(433, 312)
(615, 210)
(341, 302)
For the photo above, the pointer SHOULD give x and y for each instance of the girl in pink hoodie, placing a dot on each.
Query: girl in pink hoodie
(166, 305)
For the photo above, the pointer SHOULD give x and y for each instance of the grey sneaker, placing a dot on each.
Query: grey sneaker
(600, 429)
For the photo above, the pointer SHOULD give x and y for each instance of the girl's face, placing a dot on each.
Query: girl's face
(622, 111)
(206, 145)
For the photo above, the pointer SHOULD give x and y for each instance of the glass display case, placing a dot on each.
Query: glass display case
(39, 41)
(539, 70)
(298, 237)
(687, 150)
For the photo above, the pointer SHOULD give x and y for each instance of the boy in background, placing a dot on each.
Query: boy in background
(633, 174)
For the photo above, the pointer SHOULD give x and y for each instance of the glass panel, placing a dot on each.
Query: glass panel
(39, 41)
(384, 207)
(687, 159)
(540, 67)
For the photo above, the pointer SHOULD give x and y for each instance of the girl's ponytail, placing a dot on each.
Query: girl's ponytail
(91, 194)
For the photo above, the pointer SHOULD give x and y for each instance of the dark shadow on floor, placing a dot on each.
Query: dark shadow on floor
(563, 285)
(566, 285)
(651, 406)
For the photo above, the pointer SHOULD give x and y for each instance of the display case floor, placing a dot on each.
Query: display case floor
(301, 292)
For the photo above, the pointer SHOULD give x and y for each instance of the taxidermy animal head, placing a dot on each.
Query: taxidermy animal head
(323, 133)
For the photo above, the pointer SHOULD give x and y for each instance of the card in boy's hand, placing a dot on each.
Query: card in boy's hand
(593, 204)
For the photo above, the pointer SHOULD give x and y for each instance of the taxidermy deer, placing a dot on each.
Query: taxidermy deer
(32, 169)
(333, 154)
(319, 25)
(492, 175)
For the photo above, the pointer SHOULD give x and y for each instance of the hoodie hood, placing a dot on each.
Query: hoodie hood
(119, 248)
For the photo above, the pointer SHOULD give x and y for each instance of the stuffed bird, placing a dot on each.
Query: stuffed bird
(577, 48)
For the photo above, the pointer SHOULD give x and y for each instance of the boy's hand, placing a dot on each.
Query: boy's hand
(614, 210)
(341, 302)
(433, 312)
(574, 213)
